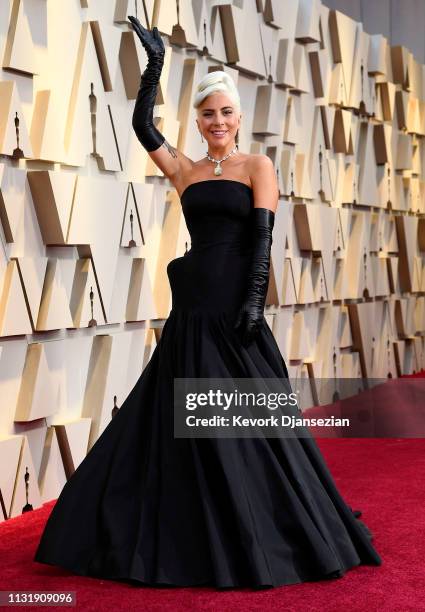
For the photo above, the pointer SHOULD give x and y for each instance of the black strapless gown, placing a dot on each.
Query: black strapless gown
(145, 506)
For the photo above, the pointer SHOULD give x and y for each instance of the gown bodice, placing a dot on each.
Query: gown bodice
(212, 275)
(218, 213)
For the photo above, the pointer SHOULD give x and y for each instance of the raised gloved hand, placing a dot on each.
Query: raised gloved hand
(142, 122)
(250, 316)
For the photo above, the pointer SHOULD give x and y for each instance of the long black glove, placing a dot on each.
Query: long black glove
(142, 122)
(251, 314)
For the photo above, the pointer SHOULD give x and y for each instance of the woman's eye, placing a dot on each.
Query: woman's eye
(228, 112)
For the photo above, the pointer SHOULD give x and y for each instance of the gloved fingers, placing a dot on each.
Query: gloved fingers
(151, 40)
(159, 46)
(141, 32)
(158, 36)
(136, 25)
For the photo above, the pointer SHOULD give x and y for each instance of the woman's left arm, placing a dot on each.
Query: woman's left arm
(264, 182)
(266, 195)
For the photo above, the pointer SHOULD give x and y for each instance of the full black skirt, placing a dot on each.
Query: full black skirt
(149, 507)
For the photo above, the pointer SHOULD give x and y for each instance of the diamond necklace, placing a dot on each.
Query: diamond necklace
(218, 169)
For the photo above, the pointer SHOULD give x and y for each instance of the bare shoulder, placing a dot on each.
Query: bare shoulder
(264, 181)
(258, 161)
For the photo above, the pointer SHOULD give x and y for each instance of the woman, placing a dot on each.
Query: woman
(149, 507)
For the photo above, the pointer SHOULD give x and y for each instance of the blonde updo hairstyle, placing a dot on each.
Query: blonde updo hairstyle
(217, 81)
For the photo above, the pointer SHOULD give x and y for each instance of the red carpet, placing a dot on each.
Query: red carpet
(391, 408)
(382, 477)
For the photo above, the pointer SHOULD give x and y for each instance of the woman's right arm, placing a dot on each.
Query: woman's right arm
(171, 161)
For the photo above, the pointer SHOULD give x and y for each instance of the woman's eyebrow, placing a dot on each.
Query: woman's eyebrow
(222, 108)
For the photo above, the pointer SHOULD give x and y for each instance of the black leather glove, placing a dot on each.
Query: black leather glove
(142, 122)
(250, 316)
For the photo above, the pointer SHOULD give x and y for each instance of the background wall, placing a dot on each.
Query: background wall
(88, 223)
(402, 22)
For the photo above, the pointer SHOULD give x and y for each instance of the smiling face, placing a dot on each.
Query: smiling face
(218, 120)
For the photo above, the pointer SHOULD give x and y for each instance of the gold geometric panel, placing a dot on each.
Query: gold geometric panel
(19, 52)
(52, 194)
(14, 136)
(12, 184)
(26, 494)
(14, 318)
(38, 394)
(10, 449)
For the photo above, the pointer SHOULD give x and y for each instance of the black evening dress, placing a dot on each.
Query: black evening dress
(145, 506)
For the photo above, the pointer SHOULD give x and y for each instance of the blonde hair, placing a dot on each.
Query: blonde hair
(217, 80)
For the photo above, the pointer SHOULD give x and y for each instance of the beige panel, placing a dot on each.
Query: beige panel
(25, 496)
(98, 203)
(19, 53)
(299, 348)
(283, 14)
(285, 70)
(305, 287)
(307, 28)
(407, 228)
(94, 133)
(11, 200)
(343, 37)
(270, 103)
(64, 448)
(52, 195)
(38, 394)
(85, 303)
(283, 329)
(288, 294)
(150, 346)
(121, 8)
(47, 116)
(151, 206)
(236, 22)
(73, 438)
(350, 365)
(10, 449)
(14, 319)
(106, 378)
(14, 140)
(302, 77)
(377, 55)
(107, 40)
(131, 231)
(140, 304)
(167, 252)
(52, 476)
(367, 183)
(54, 312)
(278, 248)
(361, 85)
